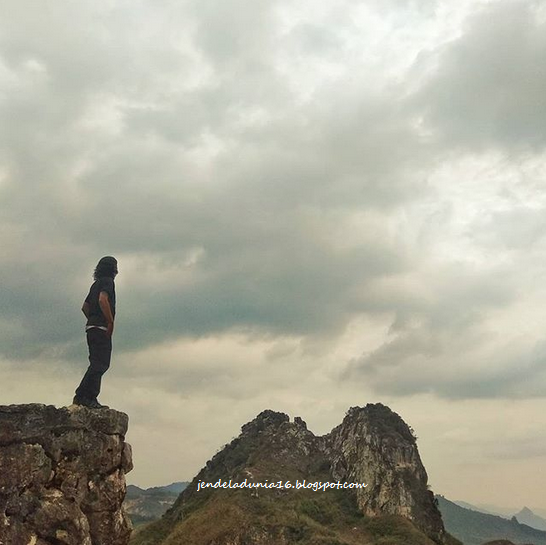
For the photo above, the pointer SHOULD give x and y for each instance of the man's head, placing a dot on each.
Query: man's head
(107, 266)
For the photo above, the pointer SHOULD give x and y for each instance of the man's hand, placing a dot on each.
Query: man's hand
(110, 328)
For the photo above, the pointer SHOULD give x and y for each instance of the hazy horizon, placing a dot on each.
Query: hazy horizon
(313, 207)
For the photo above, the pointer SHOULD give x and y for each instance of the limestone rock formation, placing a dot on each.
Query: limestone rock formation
(62, 476)
(373, 445)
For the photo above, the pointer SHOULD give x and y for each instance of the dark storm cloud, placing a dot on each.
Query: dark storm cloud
(431, 363)
(261, 212)
(174, 138)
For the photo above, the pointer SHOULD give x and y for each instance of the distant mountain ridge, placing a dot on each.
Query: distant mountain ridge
(472, 507)
(506, 512)
(146, 505)
(526, 516)
(173, 488)
(476, 528)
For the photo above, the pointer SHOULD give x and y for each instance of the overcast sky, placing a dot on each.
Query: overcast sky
(313, 205)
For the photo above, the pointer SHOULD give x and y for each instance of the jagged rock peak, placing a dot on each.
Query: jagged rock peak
(62, 477)
(382, 419)
(265, 419)
(300, 422)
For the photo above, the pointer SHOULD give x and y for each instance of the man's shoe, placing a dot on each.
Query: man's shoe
(96, 405)
(79, 401)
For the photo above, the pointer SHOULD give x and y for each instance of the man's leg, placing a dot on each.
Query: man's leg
(100, 352)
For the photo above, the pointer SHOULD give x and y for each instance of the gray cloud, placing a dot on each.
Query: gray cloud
(479, 97)
(175, 140)
(444, 343)
(488, 86)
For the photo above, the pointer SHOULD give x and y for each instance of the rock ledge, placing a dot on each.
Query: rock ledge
(62, 475)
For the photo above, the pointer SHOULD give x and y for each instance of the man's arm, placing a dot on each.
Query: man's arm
(85, 309)
(104, 304)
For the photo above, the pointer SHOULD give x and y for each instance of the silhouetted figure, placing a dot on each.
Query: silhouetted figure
(99, 308)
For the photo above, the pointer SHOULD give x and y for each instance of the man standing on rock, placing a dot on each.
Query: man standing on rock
(99, 309)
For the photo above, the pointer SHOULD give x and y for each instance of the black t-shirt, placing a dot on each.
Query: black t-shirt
(96, 317)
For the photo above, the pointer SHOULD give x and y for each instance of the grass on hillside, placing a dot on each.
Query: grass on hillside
(302, 517)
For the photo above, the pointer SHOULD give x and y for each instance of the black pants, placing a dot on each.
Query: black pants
(100, 351)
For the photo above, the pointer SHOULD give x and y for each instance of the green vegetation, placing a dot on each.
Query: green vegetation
(139, 520)
(273, 516)
(387, 423)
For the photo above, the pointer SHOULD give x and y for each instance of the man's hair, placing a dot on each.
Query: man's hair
(107, 266)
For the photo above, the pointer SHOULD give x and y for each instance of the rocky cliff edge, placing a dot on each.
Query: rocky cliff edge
(62, 476)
